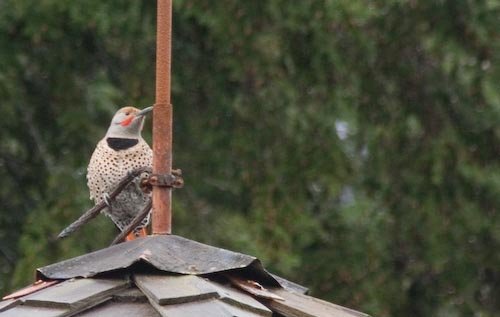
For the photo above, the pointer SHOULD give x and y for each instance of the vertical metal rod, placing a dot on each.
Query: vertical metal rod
(162, 119)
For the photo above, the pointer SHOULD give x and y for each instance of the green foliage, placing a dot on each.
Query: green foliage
(352, 146)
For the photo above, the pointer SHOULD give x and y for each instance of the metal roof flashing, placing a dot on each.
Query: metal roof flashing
(167, 253)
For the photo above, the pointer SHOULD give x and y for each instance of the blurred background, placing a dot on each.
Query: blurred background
(353, 146)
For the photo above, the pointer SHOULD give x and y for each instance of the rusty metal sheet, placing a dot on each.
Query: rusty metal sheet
(35, 287)
(121, 309)
(76, 293)
(300, 305)
(175, 289)
(23, 310)
(167, 253)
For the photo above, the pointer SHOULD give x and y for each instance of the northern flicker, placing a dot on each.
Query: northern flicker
(121, 151)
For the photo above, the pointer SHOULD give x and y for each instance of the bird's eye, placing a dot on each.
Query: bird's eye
(127, 113)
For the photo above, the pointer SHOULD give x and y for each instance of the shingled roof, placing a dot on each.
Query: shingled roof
(165, 275)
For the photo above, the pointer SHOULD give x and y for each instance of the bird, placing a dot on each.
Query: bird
(121, 151)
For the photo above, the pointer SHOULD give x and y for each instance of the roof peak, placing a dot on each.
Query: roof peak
(167, 253)
(165, 275)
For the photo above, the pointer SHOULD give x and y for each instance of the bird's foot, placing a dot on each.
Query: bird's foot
(107, 199)
(137, 233)
(144, 183)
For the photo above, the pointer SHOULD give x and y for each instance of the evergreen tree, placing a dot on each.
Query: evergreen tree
(352, 146)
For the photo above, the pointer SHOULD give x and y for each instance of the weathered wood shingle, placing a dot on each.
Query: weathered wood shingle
(244, 301)
(170, 294)
(175, 289)
(121, 309)
(9, 303)
(207, 308)
(28, 311)
(300, 305)
(76, 293)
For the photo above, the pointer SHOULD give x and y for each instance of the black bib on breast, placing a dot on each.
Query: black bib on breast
(118, 144)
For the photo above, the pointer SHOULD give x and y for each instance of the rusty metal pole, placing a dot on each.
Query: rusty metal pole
(162, 119)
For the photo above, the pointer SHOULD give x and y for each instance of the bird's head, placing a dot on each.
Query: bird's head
(127, 122)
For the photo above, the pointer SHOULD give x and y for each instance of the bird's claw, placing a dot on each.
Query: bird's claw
(107, 199)
(145, 185)
(177, 172)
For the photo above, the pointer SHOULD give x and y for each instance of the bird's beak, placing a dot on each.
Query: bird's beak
(144, 111)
